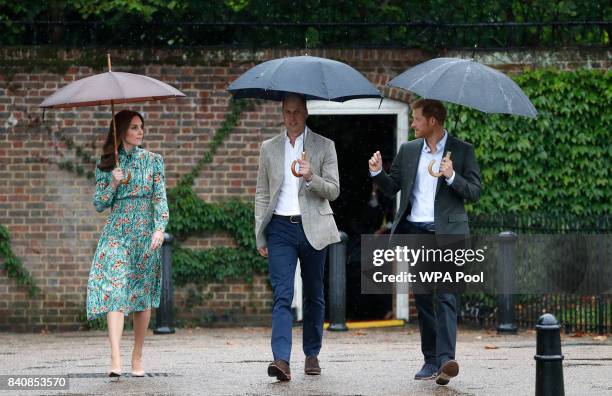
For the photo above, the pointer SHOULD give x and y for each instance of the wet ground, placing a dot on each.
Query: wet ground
(233, 361)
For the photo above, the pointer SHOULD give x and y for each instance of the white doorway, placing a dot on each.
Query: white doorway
(374, 107)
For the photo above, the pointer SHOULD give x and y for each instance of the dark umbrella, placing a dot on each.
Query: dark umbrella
(468, 83)
(309, 76)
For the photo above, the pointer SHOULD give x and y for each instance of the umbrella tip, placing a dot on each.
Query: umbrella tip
(109, 61)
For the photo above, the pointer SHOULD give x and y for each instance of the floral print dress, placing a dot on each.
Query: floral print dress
(125, 273)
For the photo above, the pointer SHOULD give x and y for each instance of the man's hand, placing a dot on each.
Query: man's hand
(446, 167)
(305, 170)
(375, 163)
(263, 252)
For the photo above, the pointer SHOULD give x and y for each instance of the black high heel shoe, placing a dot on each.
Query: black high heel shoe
(114, 374)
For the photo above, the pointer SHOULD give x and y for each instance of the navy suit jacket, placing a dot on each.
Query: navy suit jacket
(449, 210)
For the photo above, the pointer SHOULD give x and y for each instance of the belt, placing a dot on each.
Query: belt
(292, 219)
(424, 226)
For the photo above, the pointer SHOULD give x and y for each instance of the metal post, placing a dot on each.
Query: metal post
(163, 316)
(505, 283)
(601, 308)
(337, 284)
(549, 360)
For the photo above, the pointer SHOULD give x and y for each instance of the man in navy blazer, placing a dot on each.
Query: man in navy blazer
(432, 205)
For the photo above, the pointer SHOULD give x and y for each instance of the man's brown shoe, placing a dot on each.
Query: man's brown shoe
(279, 369)
(311, 367)
(448, 370)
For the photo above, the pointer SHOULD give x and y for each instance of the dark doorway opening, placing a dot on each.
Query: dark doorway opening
(360, 209)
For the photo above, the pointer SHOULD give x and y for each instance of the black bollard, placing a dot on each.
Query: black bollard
(505, 283)
(549, 360)
(163, 315)
(337, 284)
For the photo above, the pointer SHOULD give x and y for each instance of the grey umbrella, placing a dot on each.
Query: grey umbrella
(468, 83)
(310, 76)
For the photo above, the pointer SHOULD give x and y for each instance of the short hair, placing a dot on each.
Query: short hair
(431, 108)
(301, 98)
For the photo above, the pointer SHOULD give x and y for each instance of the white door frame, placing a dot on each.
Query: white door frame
(374, 107)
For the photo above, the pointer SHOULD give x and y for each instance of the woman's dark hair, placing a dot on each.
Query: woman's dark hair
(123, 120)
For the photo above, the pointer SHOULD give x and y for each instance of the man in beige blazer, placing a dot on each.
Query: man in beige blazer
(293, 219)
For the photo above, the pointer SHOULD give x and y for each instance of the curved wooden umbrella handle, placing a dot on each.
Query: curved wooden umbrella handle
(294, 164)
(431, 164)
(127, 179)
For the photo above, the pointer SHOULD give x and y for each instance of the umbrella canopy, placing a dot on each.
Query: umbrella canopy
(468, 83)
(310, 76)
(110, 88)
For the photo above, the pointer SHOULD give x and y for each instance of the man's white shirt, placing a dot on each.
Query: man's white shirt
(423, 194)
(288, 204)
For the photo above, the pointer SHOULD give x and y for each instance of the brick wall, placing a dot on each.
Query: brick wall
(48, 211)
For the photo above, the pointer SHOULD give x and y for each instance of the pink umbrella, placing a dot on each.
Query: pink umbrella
(110, 88)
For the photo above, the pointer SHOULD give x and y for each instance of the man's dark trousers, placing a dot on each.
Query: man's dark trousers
(286, 243)
(438, 326)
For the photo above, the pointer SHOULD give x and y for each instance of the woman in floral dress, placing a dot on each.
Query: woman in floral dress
(125, 275)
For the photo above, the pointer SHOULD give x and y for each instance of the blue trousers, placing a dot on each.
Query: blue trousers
(286, 243)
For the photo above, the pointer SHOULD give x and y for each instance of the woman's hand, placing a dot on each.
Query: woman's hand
(117, 177)
(157, 240)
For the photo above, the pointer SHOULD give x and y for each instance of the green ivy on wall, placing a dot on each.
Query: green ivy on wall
(13, 266)
(190, 215)
(81, 154)
(215, 265)
(557, 164)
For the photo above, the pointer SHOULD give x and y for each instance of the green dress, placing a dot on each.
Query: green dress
(125, 273)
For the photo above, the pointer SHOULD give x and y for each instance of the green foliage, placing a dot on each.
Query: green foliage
(144, 9)
(193, 216)
(99, 323)
(190, 215)
(215, 265)
(13, 266)
(173, 23)
(557, 164)
(79, 150)
(83, 157)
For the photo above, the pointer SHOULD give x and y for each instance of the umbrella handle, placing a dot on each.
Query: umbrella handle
(129, 174)
(127, 179)
(294, 163)
(431, 164)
